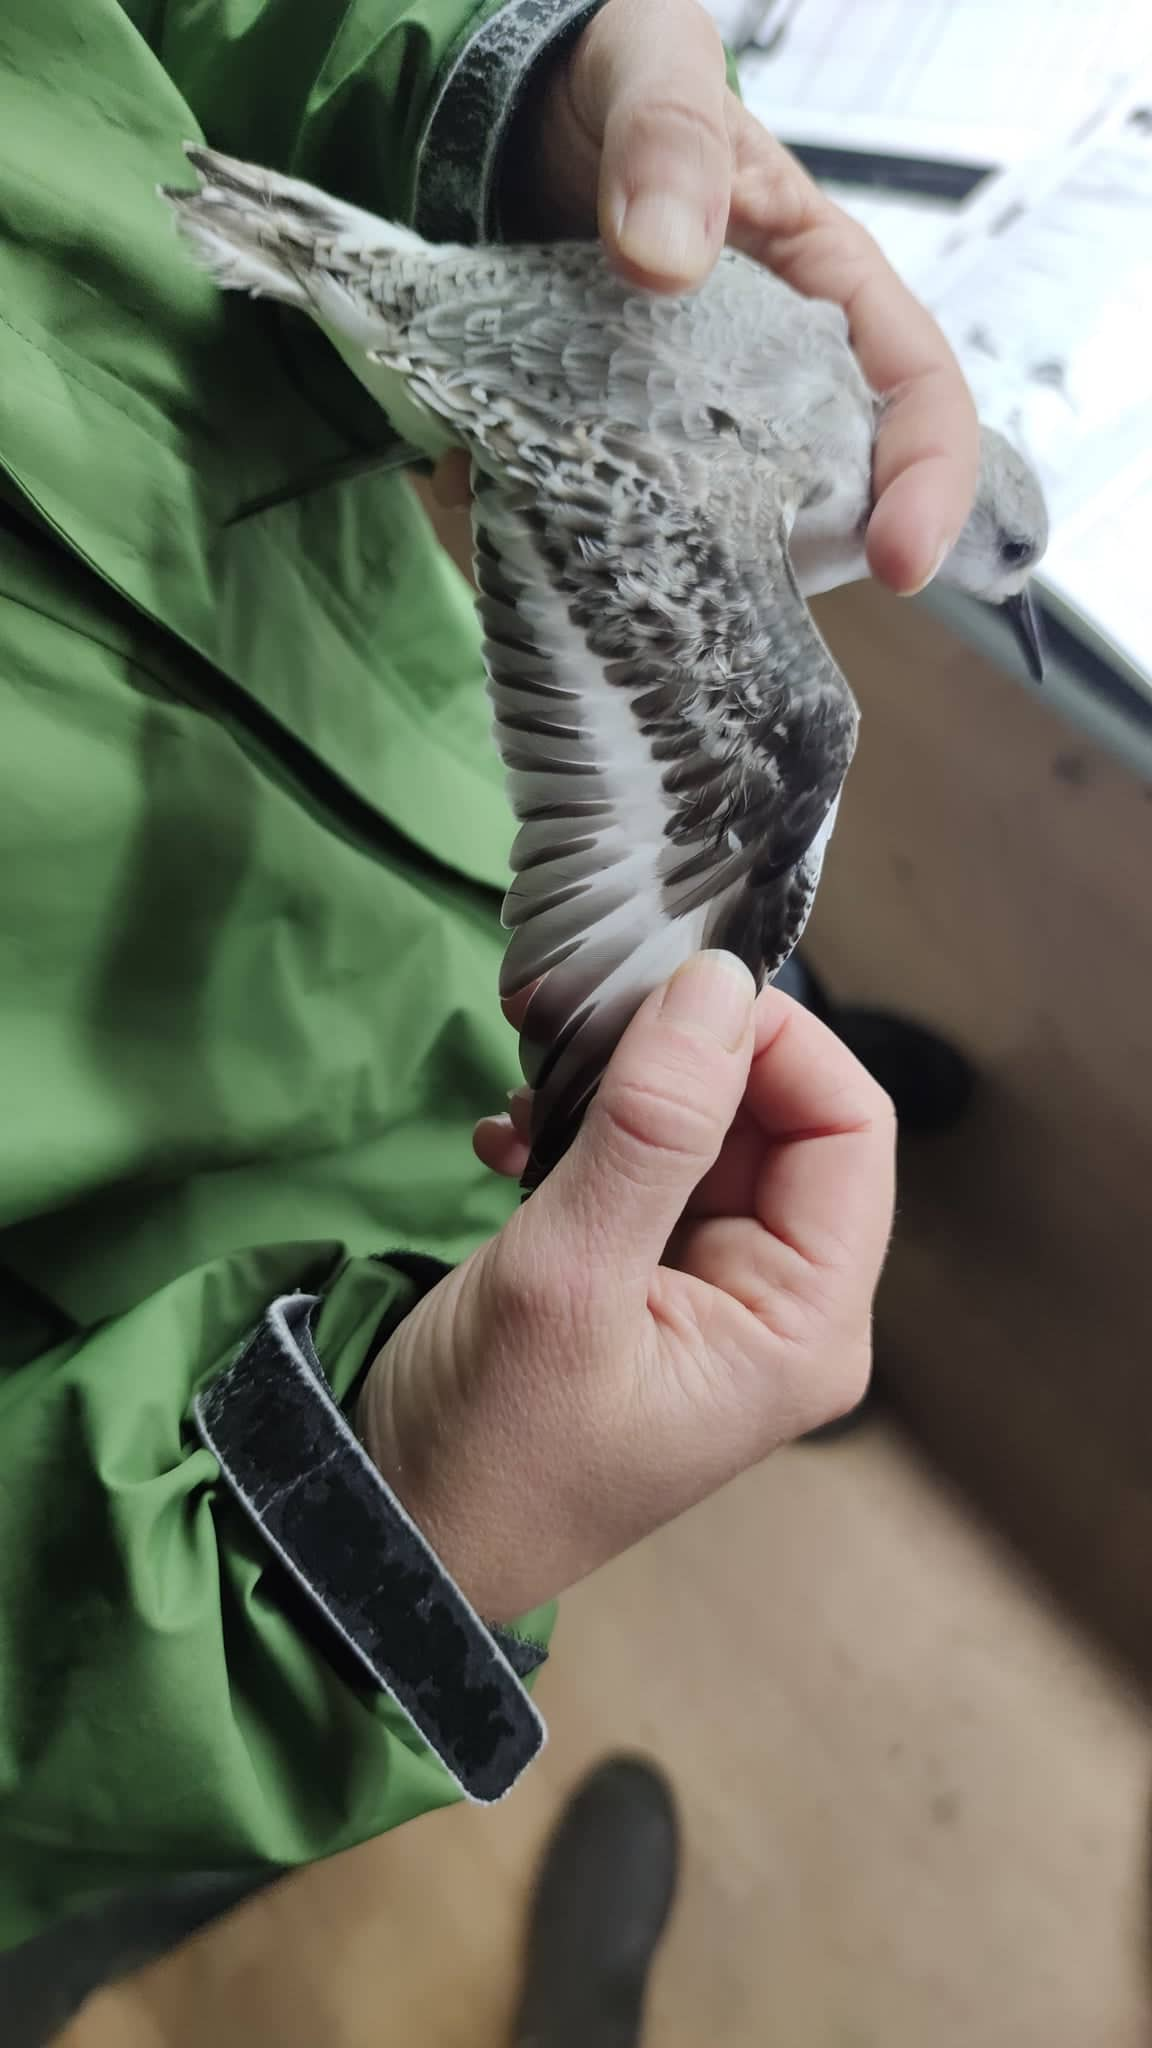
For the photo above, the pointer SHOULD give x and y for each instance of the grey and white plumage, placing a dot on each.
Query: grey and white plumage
(655, 482)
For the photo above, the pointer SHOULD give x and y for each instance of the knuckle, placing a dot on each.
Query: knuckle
(876, 1110)
(858, 246)
(675, 121)
(660, 1113)
(860, 1104)
(794, 1315)
(852, 1099)
(528, 1281)
(847, 1384)
(785, 196)
(882, 1109)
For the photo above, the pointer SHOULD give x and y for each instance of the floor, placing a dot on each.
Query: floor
(990, 875)
(916, 1807)
(915, 1777)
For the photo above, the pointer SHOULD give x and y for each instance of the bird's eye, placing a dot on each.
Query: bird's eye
(1014, 553)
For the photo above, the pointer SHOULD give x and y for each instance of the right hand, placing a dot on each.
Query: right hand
(637, 129)
(691, 1287)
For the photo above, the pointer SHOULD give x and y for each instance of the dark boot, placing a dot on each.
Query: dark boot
(930, 1082)
(599, 1908)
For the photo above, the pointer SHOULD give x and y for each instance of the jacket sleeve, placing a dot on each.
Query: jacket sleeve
(401, 108)
(169, 1703)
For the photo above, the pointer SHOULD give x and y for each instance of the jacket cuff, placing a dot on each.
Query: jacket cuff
(387, 1609)
(482, 89)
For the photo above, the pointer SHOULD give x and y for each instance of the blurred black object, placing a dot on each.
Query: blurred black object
(600, 1905)
(929, 1081)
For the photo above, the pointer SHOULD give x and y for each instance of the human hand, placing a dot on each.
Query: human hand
(690, 1288)
(640, 133)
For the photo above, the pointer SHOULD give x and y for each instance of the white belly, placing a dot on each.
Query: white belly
(825, 565)
(826, 545)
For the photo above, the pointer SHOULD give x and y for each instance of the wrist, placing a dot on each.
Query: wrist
(471, 1514)
(493, 1448)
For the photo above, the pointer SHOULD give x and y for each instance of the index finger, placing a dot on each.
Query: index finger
(827, 1183)
(927, 451)
(928, 447)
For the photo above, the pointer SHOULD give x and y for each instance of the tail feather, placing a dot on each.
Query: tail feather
(361, 279)
(235, 258)
(258, 231)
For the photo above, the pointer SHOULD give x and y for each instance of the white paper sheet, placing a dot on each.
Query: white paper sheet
(1044, 287)
(1098, 564)
(980, 81)
(1043, 279)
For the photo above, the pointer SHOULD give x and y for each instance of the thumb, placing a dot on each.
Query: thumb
(659, 1117)
(658, 83)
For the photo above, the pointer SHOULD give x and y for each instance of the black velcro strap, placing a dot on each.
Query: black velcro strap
(296, 1468)
(458, 156)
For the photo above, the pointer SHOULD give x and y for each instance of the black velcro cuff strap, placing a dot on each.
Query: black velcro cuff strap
(481, 92)
(296, 1468)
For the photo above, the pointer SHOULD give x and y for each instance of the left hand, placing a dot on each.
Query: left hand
(640, 132)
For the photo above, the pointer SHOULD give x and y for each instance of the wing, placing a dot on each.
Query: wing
(674, 730)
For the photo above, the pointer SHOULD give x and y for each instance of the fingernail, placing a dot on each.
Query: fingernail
(942, 553)
(663, 233)
(520, 1110)
(712, 993)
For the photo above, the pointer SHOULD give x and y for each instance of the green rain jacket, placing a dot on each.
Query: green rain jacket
(252, 839)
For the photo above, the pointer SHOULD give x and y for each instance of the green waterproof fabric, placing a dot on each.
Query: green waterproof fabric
(252, 835)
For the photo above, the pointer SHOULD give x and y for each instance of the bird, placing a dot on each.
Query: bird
(658, 483)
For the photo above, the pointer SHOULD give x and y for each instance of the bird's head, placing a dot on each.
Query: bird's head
(1005, 537)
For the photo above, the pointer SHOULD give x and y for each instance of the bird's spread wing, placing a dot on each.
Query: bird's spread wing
(674, 730)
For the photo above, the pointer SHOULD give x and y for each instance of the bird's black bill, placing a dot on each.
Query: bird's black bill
(1025, 624)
